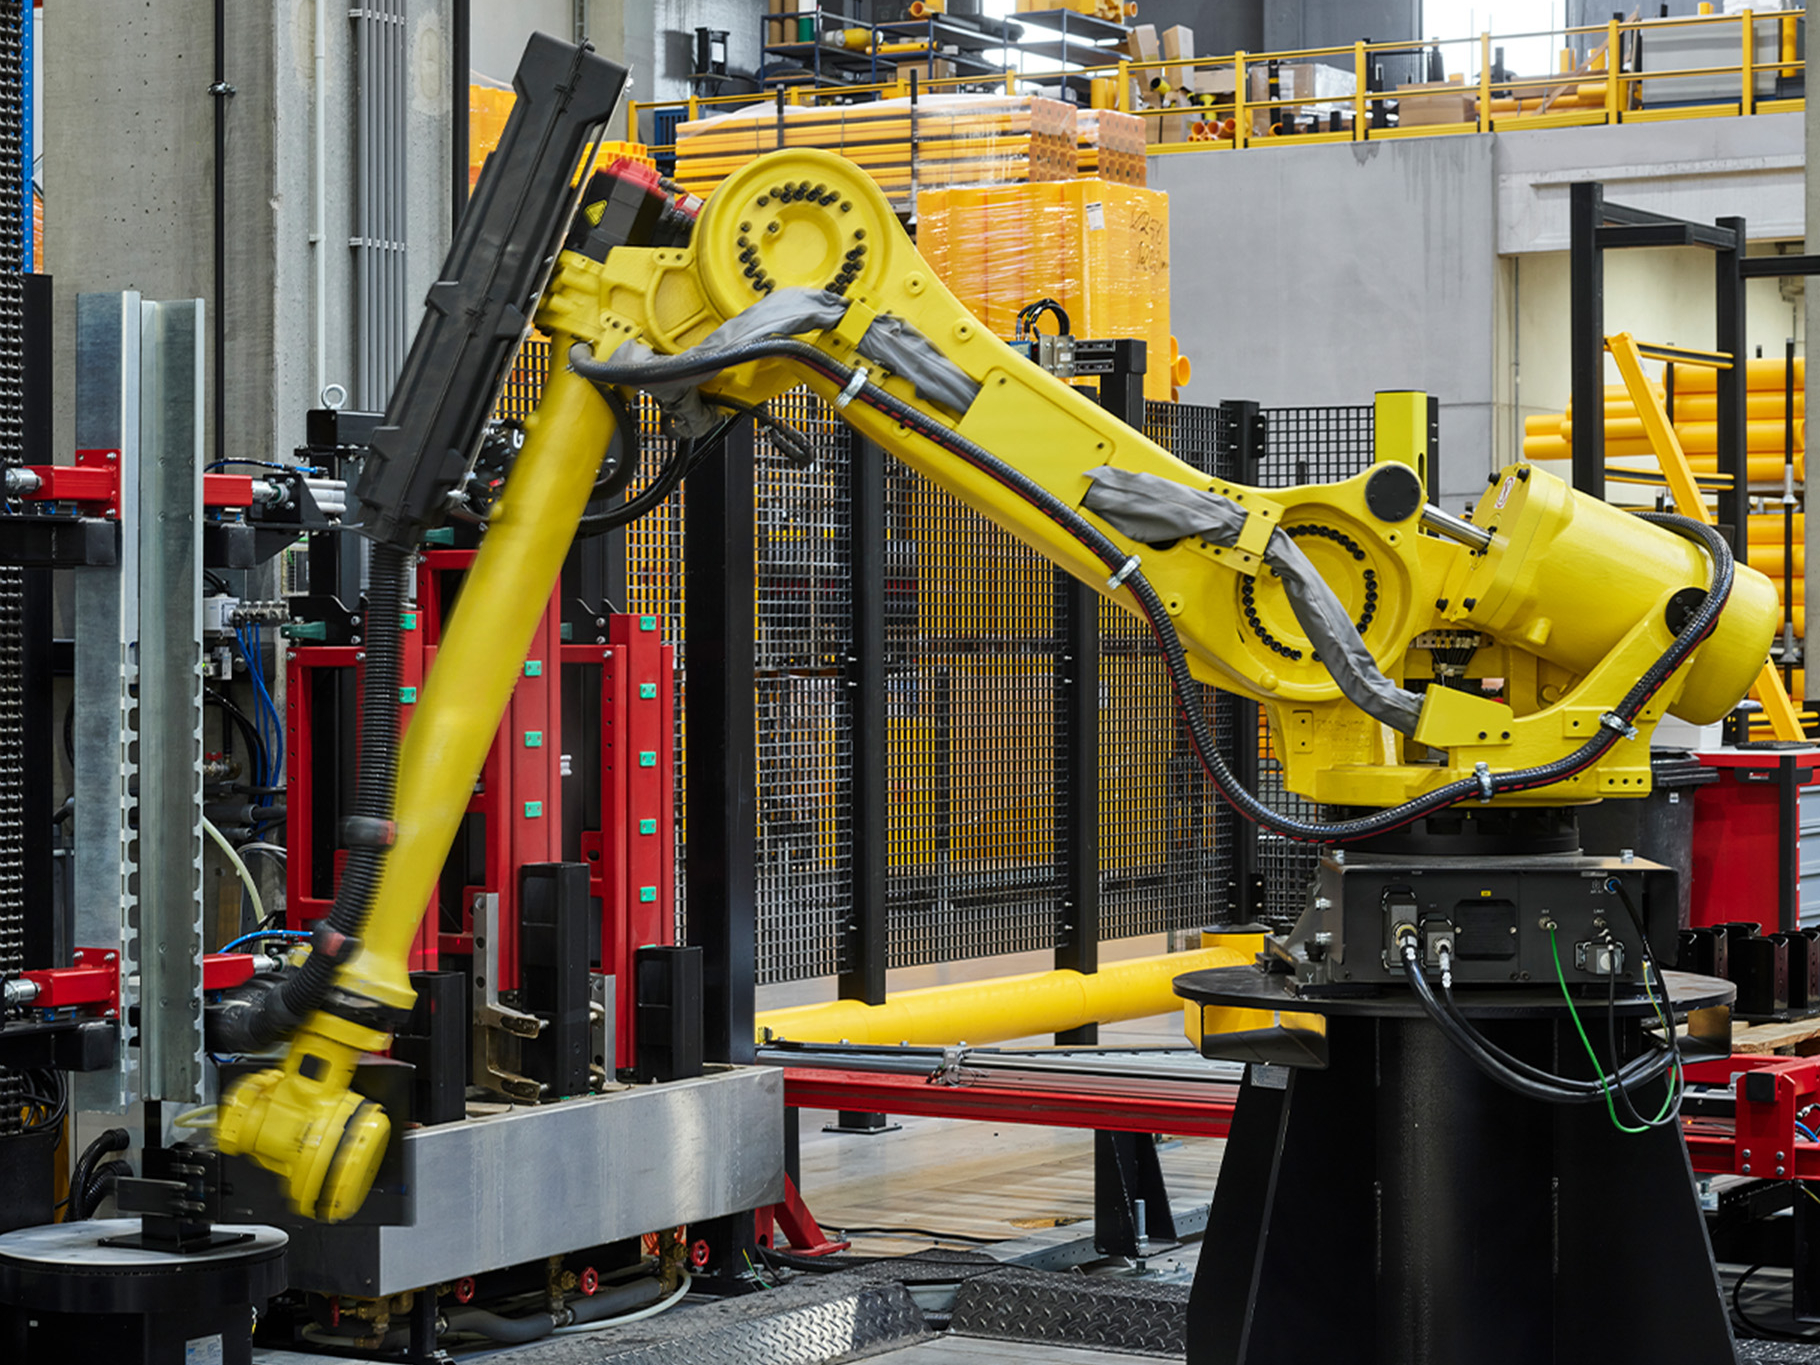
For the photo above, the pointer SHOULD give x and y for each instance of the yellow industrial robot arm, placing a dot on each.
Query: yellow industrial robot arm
(1566, 601)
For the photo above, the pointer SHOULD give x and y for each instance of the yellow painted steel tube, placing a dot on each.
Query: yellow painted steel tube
(1002, 1008)
(300, 1120)
(478, 659)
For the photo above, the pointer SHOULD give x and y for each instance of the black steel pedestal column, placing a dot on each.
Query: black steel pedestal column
(1398, 1208)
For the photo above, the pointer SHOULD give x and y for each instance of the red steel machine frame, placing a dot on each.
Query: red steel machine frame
(519, 796)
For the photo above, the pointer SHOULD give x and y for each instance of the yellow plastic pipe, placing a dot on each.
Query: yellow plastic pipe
(1004, 1007)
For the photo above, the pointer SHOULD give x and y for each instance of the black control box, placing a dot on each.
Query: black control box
(1497, 920)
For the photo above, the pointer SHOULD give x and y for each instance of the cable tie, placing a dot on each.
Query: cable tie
(1482, 771)
(854, 385)
(1611, 720)
(1126, 569)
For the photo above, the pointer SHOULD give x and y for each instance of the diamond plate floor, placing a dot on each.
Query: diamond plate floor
(972, 1351)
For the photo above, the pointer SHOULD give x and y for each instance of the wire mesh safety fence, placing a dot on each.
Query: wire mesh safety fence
(804, 577)
(976, 748)
(971, 653)
(1301, 446)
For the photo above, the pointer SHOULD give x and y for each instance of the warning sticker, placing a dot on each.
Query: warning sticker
(1504, 493)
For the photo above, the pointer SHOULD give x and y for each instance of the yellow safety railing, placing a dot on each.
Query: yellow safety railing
(1603, 86)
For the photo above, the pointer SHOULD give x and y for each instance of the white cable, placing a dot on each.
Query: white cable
(246, 877)
(203, 1117)
(662, 1306)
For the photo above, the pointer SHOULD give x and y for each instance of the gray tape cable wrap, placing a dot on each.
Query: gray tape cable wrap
(788, 312)
(889, 341)
(899, 347)
(1150, 508)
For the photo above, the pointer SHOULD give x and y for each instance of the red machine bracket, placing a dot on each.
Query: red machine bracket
(800, 1229)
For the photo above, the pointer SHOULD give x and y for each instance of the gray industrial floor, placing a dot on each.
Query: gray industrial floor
(976, 1351)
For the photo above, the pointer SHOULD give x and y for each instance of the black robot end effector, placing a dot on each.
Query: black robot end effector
(478, 310)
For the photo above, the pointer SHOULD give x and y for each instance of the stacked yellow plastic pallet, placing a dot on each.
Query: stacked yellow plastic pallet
(490, 106)
(1111, 146)
(1099, 250)
(944, 140)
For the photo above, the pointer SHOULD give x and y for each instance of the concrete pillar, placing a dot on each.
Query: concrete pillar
(129, 132)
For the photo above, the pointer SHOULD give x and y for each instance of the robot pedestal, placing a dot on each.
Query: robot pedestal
(1399, 1208)
(67, 1296)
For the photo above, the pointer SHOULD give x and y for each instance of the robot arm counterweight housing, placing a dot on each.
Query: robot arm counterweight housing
(1569, 603)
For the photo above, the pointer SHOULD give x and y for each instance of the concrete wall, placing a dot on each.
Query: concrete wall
(499, 29)
(1320, 275)
(1315, 275)
(656, 40)
(1222, 26)
(133, 208)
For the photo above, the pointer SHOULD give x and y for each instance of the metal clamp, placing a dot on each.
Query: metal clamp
(949, 1072)
(1611, 720)
(854, 385)
(1482, 771)
(1126, 569)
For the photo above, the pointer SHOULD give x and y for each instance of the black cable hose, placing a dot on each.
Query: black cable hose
(96, 1188)
(631, 447)
(1540, 1086)
(255, 1020)
(111, 1140)
(242, 723)
(683, 461)
(496, 1327)
(1700, 623)
(1672, 1117)
(1637, 1071)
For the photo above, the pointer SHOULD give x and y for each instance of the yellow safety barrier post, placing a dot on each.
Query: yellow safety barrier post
(1614, 61)
(1689, 502)
(1240, 119)
(1358, 92)
(1749, 61)
(1123, 103)
(1485, 82)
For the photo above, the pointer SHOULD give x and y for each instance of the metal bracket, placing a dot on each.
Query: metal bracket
(497, 1026)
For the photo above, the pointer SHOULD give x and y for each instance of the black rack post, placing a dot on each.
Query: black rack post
(1729, 338)
(868, 943)
(722, 738)
(867, 950)
(1586, 270)
(1077, 708)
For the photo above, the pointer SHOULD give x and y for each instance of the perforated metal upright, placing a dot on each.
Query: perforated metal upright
(15, 221)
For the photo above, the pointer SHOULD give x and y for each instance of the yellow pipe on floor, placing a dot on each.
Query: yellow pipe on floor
(1006, 1007)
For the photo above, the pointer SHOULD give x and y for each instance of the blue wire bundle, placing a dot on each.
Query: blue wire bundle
(266, 718)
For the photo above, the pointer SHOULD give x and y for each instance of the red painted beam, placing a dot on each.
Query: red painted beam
(1192, 1110)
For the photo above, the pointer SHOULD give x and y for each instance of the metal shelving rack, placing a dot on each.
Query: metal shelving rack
(1079, 39)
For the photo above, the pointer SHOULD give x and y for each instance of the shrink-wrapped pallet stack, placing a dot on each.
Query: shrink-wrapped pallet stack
(1099, 250)
(937, 141)
(1111, 146)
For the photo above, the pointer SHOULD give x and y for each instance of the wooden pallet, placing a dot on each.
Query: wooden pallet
(1798, 1037)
